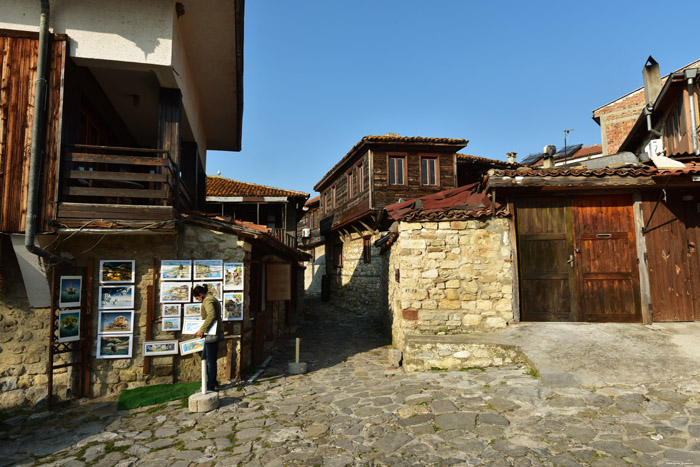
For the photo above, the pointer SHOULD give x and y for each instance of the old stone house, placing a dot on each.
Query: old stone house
(107, 161)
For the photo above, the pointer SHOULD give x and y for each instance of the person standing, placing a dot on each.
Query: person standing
(211, 313)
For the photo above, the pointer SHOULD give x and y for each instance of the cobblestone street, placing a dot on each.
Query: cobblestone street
(351, 408)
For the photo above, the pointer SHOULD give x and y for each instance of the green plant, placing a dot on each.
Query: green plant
(156, 408)
(533, 372)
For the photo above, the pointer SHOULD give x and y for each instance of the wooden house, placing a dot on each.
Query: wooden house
(311, 242)
(105, 160)
(277, 209)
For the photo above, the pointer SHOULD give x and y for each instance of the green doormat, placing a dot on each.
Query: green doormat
(150, 395)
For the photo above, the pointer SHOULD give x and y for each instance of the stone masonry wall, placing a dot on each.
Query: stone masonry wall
(357, 286)
(453, 277)
(24, 331)
(314, 270)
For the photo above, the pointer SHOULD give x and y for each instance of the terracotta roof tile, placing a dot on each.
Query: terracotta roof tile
(642, 171)
(588, 150)
(220, 186)
(314, 200)
(386, 139)
(469, 158)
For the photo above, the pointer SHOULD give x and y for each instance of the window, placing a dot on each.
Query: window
(313, 219)
(360, 180)
(326, 204)
(338, 256)
(367, 249)
(429, 171)
(397, 170)
(351, 184)
(333, 196)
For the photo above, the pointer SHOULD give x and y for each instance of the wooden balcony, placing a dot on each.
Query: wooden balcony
(282, 236)
(113, 183)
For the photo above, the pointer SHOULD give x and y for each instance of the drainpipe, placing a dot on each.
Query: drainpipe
(691, 74)
(38, 138)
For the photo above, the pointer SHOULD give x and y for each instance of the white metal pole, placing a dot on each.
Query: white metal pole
(297, 353)
(204, 376)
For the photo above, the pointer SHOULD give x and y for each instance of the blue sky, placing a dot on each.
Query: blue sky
(506, 75)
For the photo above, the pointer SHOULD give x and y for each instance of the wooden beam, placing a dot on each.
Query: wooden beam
(115, 192)
(120, 176)
(570, 181)
(644, 284)
(112, 159)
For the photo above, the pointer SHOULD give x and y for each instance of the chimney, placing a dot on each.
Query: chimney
(512, 159)
(548, 153)
(652, 80)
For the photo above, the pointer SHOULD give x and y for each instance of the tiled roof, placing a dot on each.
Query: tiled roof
(314, 200)
(465, 202)
(691, 168)
(220, 186)
(588, 150)
(387, 139)
(468, 158)
(640, 171)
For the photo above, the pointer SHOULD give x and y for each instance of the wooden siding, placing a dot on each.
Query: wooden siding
(385, 194)
(672, 238)
(18, 61)
(343, 205)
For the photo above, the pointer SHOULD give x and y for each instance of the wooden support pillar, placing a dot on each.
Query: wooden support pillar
(86, 341)
(169, 121)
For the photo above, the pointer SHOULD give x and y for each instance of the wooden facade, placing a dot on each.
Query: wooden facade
(672, 221)
(18, 61)
(577, 259)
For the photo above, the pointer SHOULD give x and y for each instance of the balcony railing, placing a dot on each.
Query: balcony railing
(284, 237)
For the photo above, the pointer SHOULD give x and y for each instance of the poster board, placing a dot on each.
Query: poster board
(279, 281)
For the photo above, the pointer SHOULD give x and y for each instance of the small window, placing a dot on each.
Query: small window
(338, 256)
(351, 184)
(428, 171)
(396, 170)
(333, 197)
(327, 205)
(313, 219)
(367, 249)
(360, 179)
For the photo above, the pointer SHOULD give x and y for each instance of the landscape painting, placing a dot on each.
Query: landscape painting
(191, 325)
(193, 310)
(71, 288)
(208, 269)
(175, 292)
(233, 306)
(171, 324)
(68, 325)
(233, 276)
(114, 346)
(191, 346)
(116, 296)
(117, 271)
(158, 348)
(175, 270)
(170, 309)
(215, 288)
(115, 321)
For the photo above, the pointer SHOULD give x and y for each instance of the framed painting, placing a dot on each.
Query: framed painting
(158, 348)
(70, 288)
(115, 321)
(175, 270)
(175, 292)
(171, 324)
(208, 269)
(116, 296)
(216, 288)
(191, 325)
(170, 310)
(117, 271)
(233, 306)
(233, 276)
(191, 346)
(114, 345)
(193, 310)
(68, 325)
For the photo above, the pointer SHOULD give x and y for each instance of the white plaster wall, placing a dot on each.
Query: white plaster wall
(133, 31)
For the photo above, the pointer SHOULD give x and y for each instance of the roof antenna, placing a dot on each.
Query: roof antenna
(566, 156)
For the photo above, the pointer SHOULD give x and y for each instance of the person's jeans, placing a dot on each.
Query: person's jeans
(209, 354)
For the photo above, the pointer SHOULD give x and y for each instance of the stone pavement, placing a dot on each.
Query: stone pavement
(353, 409)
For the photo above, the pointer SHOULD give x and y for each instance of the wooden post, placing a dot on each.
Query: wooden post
(86, 341)
(52, 337)
(169, 118)
(513, 232)
(644, 285)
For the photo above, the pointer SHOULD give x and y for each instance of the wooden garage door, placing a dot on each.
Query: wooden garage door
(545, 242)
(577, 259)
(672, 249)
(606, 259)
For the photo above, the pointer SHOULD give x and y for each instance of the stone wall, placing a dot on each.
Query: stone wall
(450, 277)
(357, 286)
(24, 334)
(314, 271)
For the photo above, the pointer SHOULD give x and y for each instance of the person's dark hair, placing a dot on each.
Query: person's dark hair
(200, 290)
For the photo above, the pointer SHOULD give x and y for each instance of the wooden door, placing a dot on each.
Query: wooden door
(606, 259)
(545, 245)
(672, 244)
